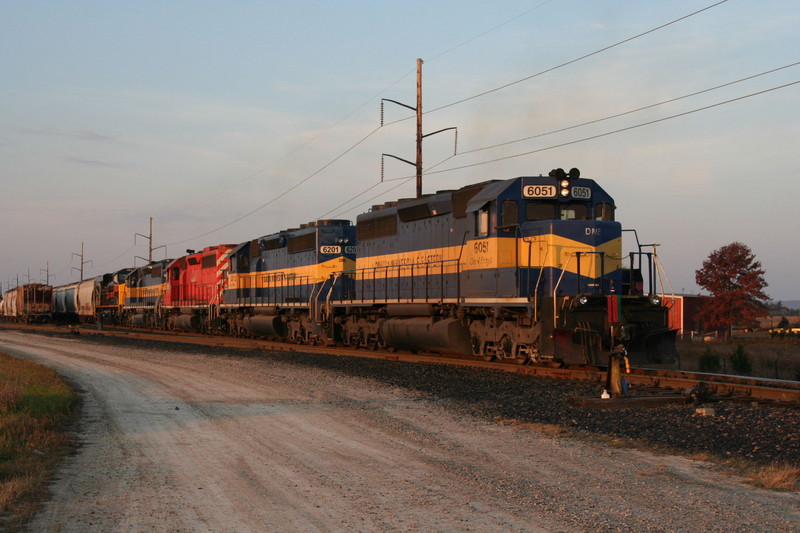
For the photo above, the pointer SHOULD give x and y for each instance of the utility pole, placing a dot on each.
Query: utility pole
(418, 163)
(149, 238)
(82, 261)
(419, 127)
(150, 248)
(47, 274)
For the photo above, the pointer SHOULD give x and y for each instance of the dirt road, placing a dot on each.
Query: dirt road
(183, 441)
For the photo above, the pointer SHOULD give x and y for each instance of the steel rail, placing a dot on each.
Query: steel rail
(720, 385)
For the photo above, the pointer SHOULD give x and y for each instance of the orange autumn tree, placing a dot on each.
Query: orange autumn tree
(736, 283)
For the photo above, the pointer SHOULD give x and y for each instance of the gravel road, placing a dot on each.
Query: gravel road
(182, 440)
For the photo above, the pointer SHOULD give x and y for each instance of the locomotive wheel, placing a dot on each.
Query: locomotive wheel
(504, 348)
(360, 339)
(477, 349)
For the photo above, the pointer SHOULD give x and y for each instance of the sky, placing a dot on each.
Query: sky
(228, 120)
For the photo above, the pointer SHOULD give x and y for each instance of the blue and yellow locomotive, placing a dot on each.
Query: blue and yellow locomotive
(281, 285)
(525, 269)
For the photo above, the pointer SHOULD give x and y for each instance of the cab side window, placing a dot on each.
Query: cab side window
(604, 211)
(509, 215)
(535, 211)
(574, 212)
(482, 221)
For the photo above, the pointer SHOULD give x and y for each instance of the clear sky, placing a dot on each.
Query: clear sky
(197, 113)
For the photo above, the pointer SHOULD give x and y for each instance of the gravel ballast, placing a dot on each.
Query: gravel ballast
(757, 434)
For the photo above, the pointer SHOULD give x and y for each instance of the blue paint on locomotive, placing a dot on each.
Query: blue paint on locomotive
(477, 243)
(146, 285)
(292, 266)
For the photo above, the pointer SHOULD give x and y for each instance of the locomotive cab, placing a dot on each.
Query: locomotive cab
(549, 246)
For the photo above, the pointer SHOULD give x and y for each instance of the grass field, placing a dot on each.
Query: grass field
(768, 358)
(36, 406)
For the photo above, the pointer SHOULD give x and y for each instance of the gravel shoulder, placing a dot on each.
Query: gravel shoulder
(196, 440)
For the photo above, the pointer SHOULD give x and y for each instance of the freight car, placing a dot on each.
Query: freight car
(28, 303)
(77, 302)
(65, 303)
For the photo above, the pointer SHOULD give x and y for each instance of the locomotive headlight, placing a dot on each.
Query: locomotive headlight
(655, 299)
(583, 299)
(564, 184)
(564, 192)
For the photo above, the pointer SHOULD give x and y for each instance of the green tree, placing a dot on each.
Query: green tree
(736, 283)
(709, 361)
(740, 362)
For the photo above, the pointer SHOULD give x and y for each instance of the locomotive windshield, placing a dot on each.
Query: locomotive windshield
(539, 211)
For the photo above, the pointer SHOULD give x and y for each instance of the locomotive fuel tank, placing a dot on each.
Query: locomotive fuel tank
(266, 326)
(447, 335)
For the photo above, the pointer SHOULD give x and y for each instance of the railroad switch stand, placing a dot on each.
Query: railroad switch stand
(615, 383)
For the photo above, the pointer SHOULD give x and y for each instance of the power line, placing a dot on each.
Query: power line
(284, 193)
(369, 200)
(271, 201)
(309, 141)
(663, 119)
(617, 115)
(509, 21)
(362, 193)
(570, 62)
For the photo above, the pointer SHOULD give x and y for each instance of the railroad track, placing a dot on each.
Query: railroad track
(718, 386)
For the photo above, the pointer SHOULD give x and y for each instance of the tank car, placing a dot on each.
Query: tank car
(525, 269)
(194, 289)
(65, 302)
(88, 299)
(281, 285)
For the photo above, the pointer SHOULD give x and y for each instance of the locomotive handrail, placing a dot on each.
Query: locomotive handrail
(538, 281)
(335, 276)
(285, 286)
(387, 273)
(649, 270)
(555, 288)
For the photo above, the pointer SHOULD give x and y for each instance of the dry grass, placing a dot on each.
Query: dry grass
(36, 406)
(777, 477)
